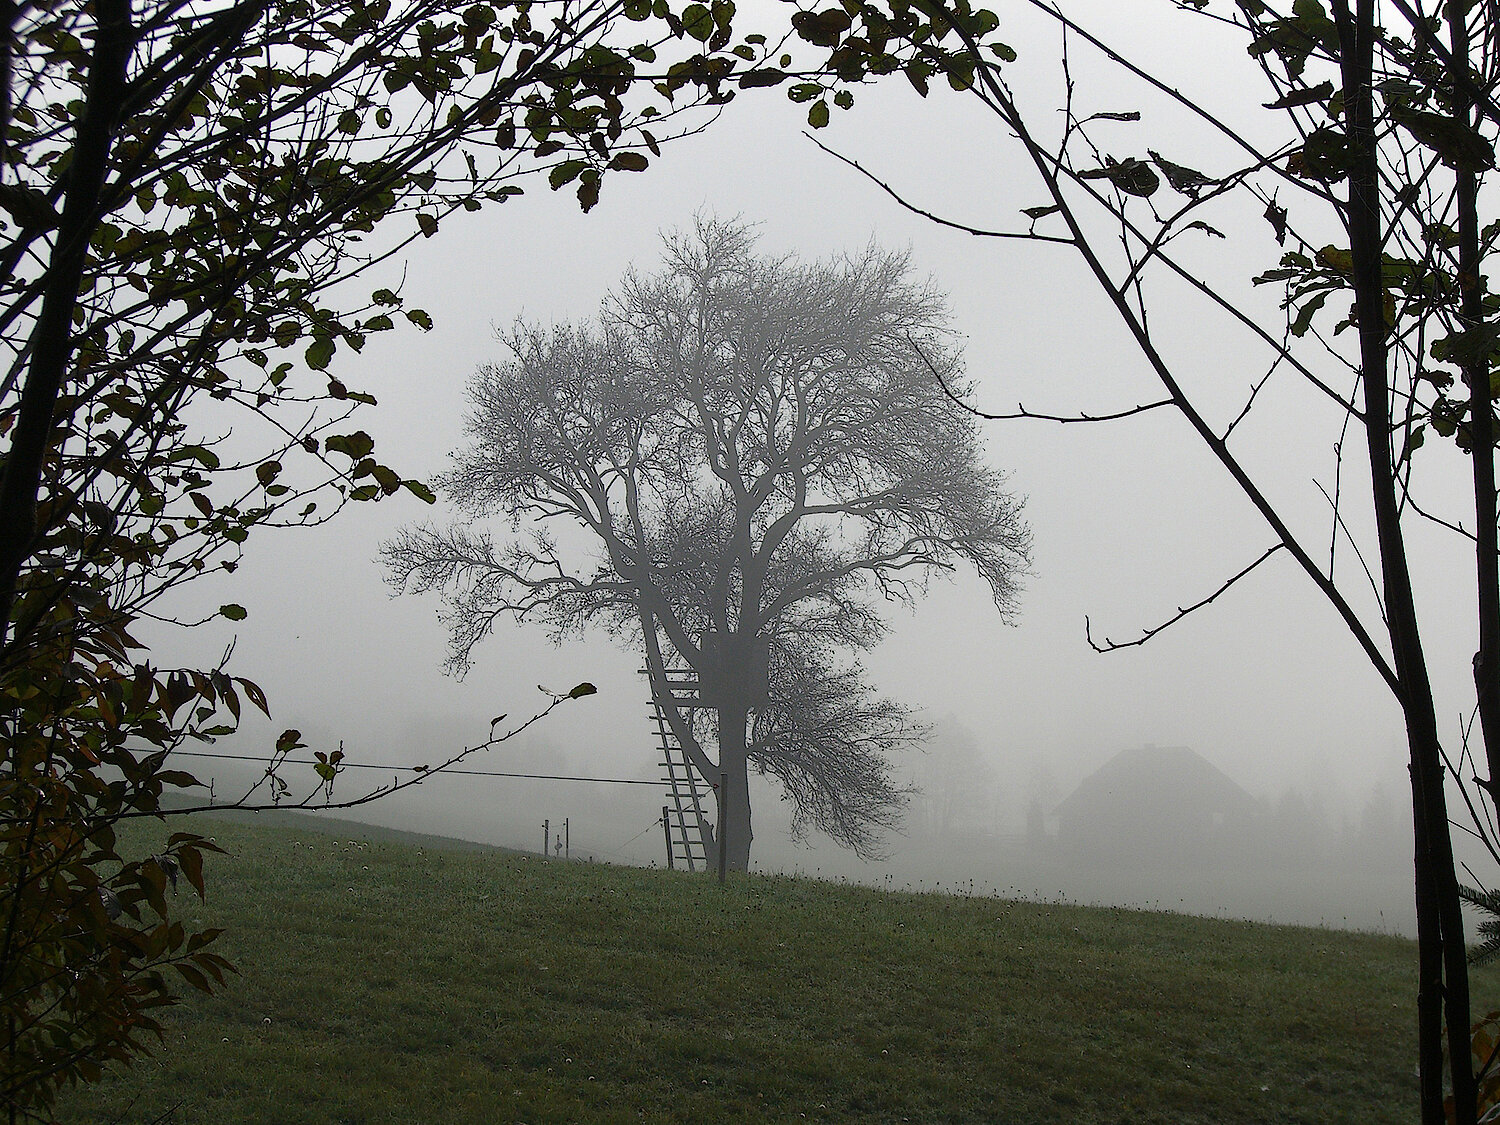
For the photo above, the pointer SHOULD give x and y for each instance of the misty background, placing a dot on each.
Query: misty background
(1130, 519)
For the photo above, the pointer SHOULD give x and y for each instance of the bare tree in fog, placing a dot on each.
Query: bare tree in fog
(752, 448)
(956, 781)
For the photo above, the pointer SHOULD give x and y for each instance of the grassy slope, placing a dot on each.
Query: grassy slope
(383, 982)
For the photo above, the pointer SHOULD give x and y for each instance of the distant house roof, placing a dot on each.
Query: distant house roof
(1162, 793)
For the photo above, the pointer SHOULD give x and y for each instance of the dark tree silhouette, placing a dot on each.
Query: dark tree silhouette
(1372, 181)
(188, 193)
(754, 448)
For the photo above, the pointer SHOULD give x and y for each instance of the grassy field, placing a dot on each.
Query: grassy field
(386, 981)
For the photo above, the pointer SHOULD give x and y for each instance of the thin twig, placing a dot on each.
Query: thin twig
(1112, 646)
(1340, 525)
(978, 232)
(1021, 411)
(1255, 390)
(1458, 528)
(1478, 832)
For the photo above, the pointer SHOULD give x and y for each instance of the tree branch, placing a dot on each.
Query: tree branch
(1021, 411)
(1113, 646)
(978, 232)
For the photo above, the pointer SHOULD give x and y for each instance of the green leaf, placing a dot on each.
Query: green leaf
(1469, 347)
(917, 73)
(199, 453)
(1306, 96)
(822, 29)
(420, 491)
(320, 353)
(817, 114)
(698, 22)
(389, 480)
(1337, 260)
(960, 72)
(427, 223)
(1414, 441)
(355, 446)
(1181, 178)
(191, 860)
(1131, 176)
(588, 189)
(193, 976)
(630, 162)
(764, 76)
(1324, 156)
(233, 612)
(1456, 144)
(565, 173)
(420, 319)
(255, 695)
(1305, 314)
(582, 689)
(32, 210)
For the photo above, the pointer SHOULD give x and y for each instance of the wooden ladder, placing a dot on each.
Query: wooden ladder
(685, 789)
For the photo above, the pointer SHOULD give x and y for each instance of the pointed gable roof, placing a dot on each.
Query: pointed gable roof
(1157, 779)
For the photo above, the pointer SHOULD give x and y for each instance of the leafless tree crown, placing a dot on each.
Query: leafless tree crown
(755, 447)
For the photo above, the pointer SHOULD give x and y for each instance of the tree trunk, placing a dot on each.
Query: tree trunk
(1429, 961)
(734, 834)
(1476, 373)
(52, 340)
(1441, 953)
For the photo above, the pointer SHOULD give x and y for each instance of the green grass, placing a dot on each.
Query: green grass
(386, 982)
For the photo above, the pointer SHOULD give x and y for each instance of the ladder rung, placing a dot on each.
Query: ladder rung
(685, 791)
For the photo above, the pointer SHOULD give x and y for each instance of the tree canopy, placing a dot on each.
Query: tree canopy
(754, 449)
(189, 197)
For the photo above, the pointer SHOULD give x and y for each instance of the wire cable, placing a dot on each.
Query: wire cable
(420, 769)
(653, 825)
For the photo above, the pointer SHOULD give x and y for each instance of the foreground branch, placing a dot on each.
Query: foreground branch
(1113, 646)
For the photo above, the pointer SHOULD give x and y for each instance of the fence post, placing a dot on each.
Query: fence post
(546, 836)
(567, 840)
(666, 827)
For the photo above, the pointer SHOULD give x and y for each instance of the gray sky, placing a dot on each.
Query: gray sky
(1130, 519)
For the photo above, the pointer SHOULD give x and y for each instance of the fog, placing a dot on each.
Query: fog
(1130, 520)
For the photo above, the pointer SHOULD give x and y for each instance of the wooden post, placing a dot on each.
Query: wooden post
(567, 840)
(666, 827)
(546, 836)
(723, 826)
